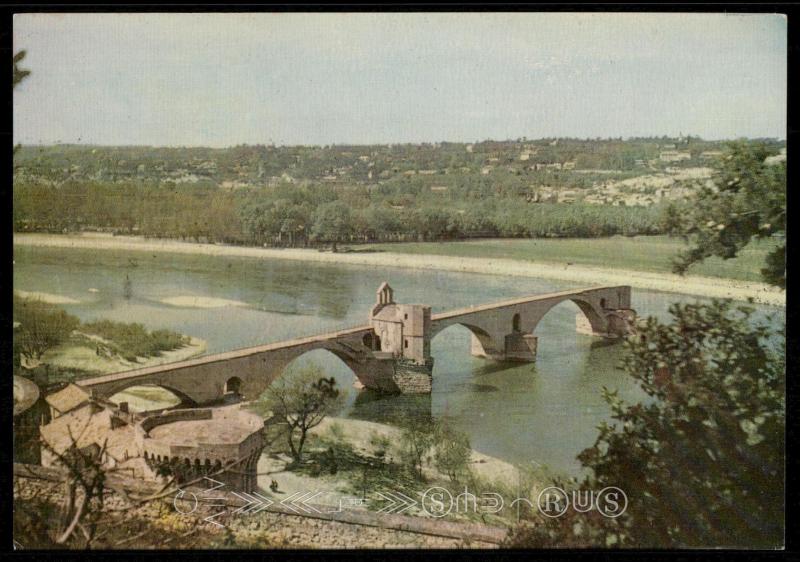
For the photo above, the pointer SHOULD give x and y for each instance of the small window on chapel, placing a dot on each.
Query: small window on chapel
(406, 342)
(405, 316)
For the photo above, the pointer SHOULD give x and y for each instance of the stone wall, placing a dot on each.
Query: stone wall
(188, 414)
(412, 378)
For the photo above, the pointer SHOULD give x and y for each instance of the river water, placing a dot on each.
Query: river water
(543, 413)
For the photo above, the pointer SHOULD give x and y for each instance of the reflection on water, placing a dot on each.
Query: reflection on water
(545, 412)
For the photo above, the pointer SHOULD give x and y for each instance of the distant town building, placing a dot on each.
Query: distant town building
(567, 196)
(674, 156)
(780, 157)
(547, 166)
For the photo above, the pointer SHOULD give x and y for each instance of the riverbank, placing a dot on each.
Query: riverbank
(579, 274)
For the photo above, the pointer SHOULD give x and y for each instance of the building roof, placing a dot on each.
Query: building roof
(83, 426)
(90, 425)
(227, 425)
(67, 398)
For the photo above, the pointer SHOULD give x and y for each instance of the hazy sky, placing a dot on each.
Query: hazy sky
(225, 79)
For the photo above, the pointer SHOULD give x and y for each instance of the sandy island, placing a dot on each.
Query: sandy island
(48, 298)
(188, 301)
(584, 275)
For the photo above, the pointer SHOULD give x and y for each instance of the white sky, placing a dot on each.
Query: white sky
(226, 79)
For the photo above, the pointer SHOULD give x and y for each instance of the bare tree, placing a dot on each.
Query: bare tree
(84, 489)
(302, 400)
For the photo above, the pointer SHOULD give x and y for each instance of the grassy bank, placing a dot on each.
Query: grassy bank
(639, 253)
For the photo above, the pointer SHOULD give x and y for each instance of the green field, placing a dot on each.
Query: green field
(641, 253)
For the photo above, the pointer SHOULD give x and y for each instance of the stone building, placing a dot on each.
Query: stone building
(200, 441)
(190, 443)
(66, 400)
(402, 332)
(402, 329)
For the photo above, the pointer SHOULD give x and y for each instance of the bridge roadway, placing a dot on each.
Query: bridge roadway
(249, 371)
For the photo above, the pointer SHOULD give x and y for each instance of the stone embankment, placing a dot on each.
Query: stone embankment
(265, 529)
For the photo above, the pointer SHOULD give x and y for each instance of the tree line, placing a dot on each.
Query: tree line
(292, 215)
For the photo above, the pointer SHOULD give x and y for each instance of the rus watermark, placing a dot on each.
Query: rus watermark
(554, 502)
(551, 502)
(436, 502)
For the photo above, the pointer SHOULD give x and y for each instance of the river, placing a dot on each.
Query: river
(543, 413)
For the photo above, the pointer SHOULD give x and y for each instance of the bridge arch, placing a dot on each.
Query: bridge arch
(332, 362)
(476, 330)
(594, 314)
(181, 397)
(482, 341)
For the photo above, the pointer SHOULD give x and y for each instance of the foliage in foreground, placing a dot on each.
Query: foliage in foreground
(702, 462)
(748, 201)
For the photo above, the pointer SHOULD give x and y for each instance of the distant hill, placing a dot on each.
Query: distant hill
(260, 165)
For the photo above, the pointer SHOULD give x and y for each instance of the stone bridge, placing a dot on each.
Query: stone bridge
(391, 354)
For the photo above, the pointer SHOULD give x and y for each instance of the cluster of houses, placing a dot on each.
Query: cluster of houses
(675, 183)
